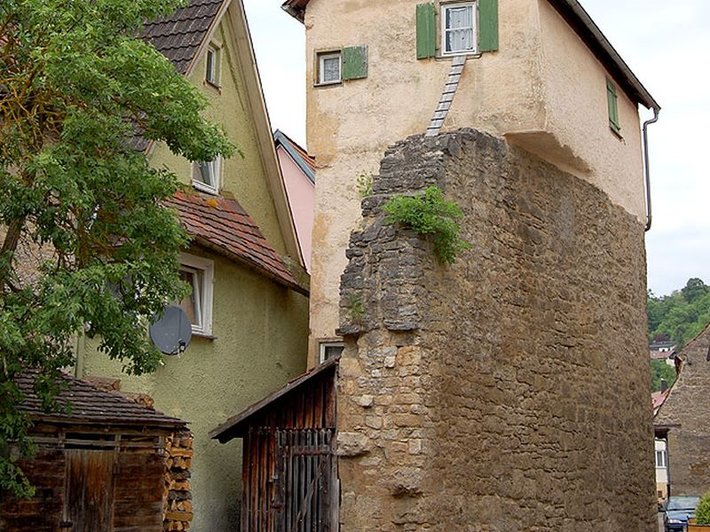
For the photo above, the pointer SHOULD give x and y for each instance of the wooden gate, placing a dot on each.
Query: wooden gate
(88, 504)
(306, 484)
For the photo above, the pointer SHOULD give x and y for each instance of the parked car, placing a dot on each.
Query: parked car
(677, 512)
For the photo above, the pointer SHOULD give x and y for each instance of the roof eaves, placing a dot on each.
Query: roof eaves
(580, 21)
(281, 139)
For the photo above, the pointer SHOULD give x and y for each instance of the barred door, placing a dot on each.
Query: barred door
(306, 494)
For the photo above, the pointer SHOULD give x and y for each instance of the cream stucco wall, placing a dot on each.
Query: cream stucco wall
(543, 90)
(260, 328)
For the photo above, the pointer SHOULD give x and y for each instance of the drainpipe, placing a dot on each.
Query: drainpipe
(647, 172)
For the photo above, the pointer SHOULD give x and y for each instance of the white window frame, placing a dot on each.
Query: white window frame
(212, 75)
(205, 297)
(215, 170)
(444, 8)
(323, 344)
(322, 56)
(663, 463)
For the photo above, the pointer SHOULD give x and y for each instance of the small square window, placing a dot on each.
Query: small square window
(329, 68)
(198, 273)
(212, 64)
(328, 350)
(458, 28)
(206, 175)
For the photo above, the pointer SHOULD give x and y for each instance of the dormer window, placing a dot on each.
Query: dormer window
(458, 28)
(212, 63)
(206, 175)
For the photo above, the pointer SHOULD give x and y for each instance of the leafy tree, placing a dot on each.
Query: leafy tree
(85, 245)
(681, 315)
(661, 371)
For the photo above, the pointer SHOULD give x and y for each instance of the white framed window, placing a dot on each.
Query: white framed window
(458, 28)
(329, 349)
(206, 176)
(661, 459)
(199, 274)
(330, 66)
(212, 65)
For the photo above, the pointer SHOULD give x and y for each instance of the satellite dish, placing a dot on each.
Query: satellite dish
(172, 331)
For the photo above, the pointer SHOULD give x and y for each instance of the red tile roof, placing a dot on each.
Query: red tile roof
(179, 36)
(87, 404)
(222, 225)
(658, 398)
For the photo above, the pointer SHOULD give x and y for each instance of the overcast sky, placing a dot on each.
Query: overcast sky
(667, 44)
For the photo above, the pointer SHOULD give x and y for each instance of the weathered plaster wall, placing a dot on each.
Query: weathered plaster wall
(685, 411)
(260, 332)
(508, 392)
(577, 112)
(543, 88)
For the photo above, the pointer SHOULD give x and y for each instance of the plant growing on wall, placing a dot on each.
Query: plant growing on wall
(702, 512)
(428, 213)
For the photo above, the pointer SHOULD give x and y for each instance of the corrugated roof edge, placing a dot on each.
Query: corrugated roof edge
(576, 16)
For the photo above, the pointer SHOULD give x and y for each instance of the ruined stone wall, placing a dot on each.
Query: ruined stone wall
(685, 413)
(509, 391)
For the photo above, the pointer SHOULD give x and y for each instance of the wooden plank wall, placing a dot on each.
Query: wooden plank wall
(311, 406)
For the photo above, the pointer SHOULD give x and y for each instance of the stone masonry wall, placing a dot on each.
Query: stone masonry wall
(685, 413)
(508, 392)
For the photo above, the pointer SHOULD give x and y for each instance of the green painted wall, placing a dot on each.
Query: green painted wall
(260, 328)
(260, 342)
(242, 177)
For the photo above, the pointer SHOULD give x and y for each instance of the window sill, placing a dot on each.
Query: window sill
(214, 86)
(616, 131)
(204, 335)
(329, 84)
(205, 188)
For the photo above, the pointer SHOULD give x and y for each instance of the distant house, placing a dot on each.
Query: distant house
(299, 171)
(682, 420)
(249, 303)
(102, 465)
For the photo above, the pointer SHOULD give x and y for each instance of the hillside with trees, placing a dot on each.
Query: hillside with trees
(678, 318)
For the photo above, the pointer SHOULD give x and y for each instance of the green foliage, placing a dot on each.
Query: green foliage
(355, 306)
(682, 315)
(661, 371)
(86, 243)
(702, 512)
(364, 184)
(429, 213)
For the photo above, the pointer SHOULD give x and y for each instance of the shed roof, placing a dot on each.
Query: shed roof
(236, 425)
(221, 224)
(580, 21)
(81, 403)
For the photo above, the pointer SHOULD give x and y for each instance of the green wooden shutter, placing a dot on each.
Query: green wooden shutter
(354, 62)
(613, 101)
(426, 31)
(487, 25)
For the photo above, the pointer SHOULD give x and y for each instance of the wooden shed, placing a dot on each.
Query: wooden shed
(289, 469)
(100, 464)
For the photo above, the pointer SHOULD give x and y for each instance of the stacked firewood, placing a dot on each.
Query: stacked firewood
(178, 499)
